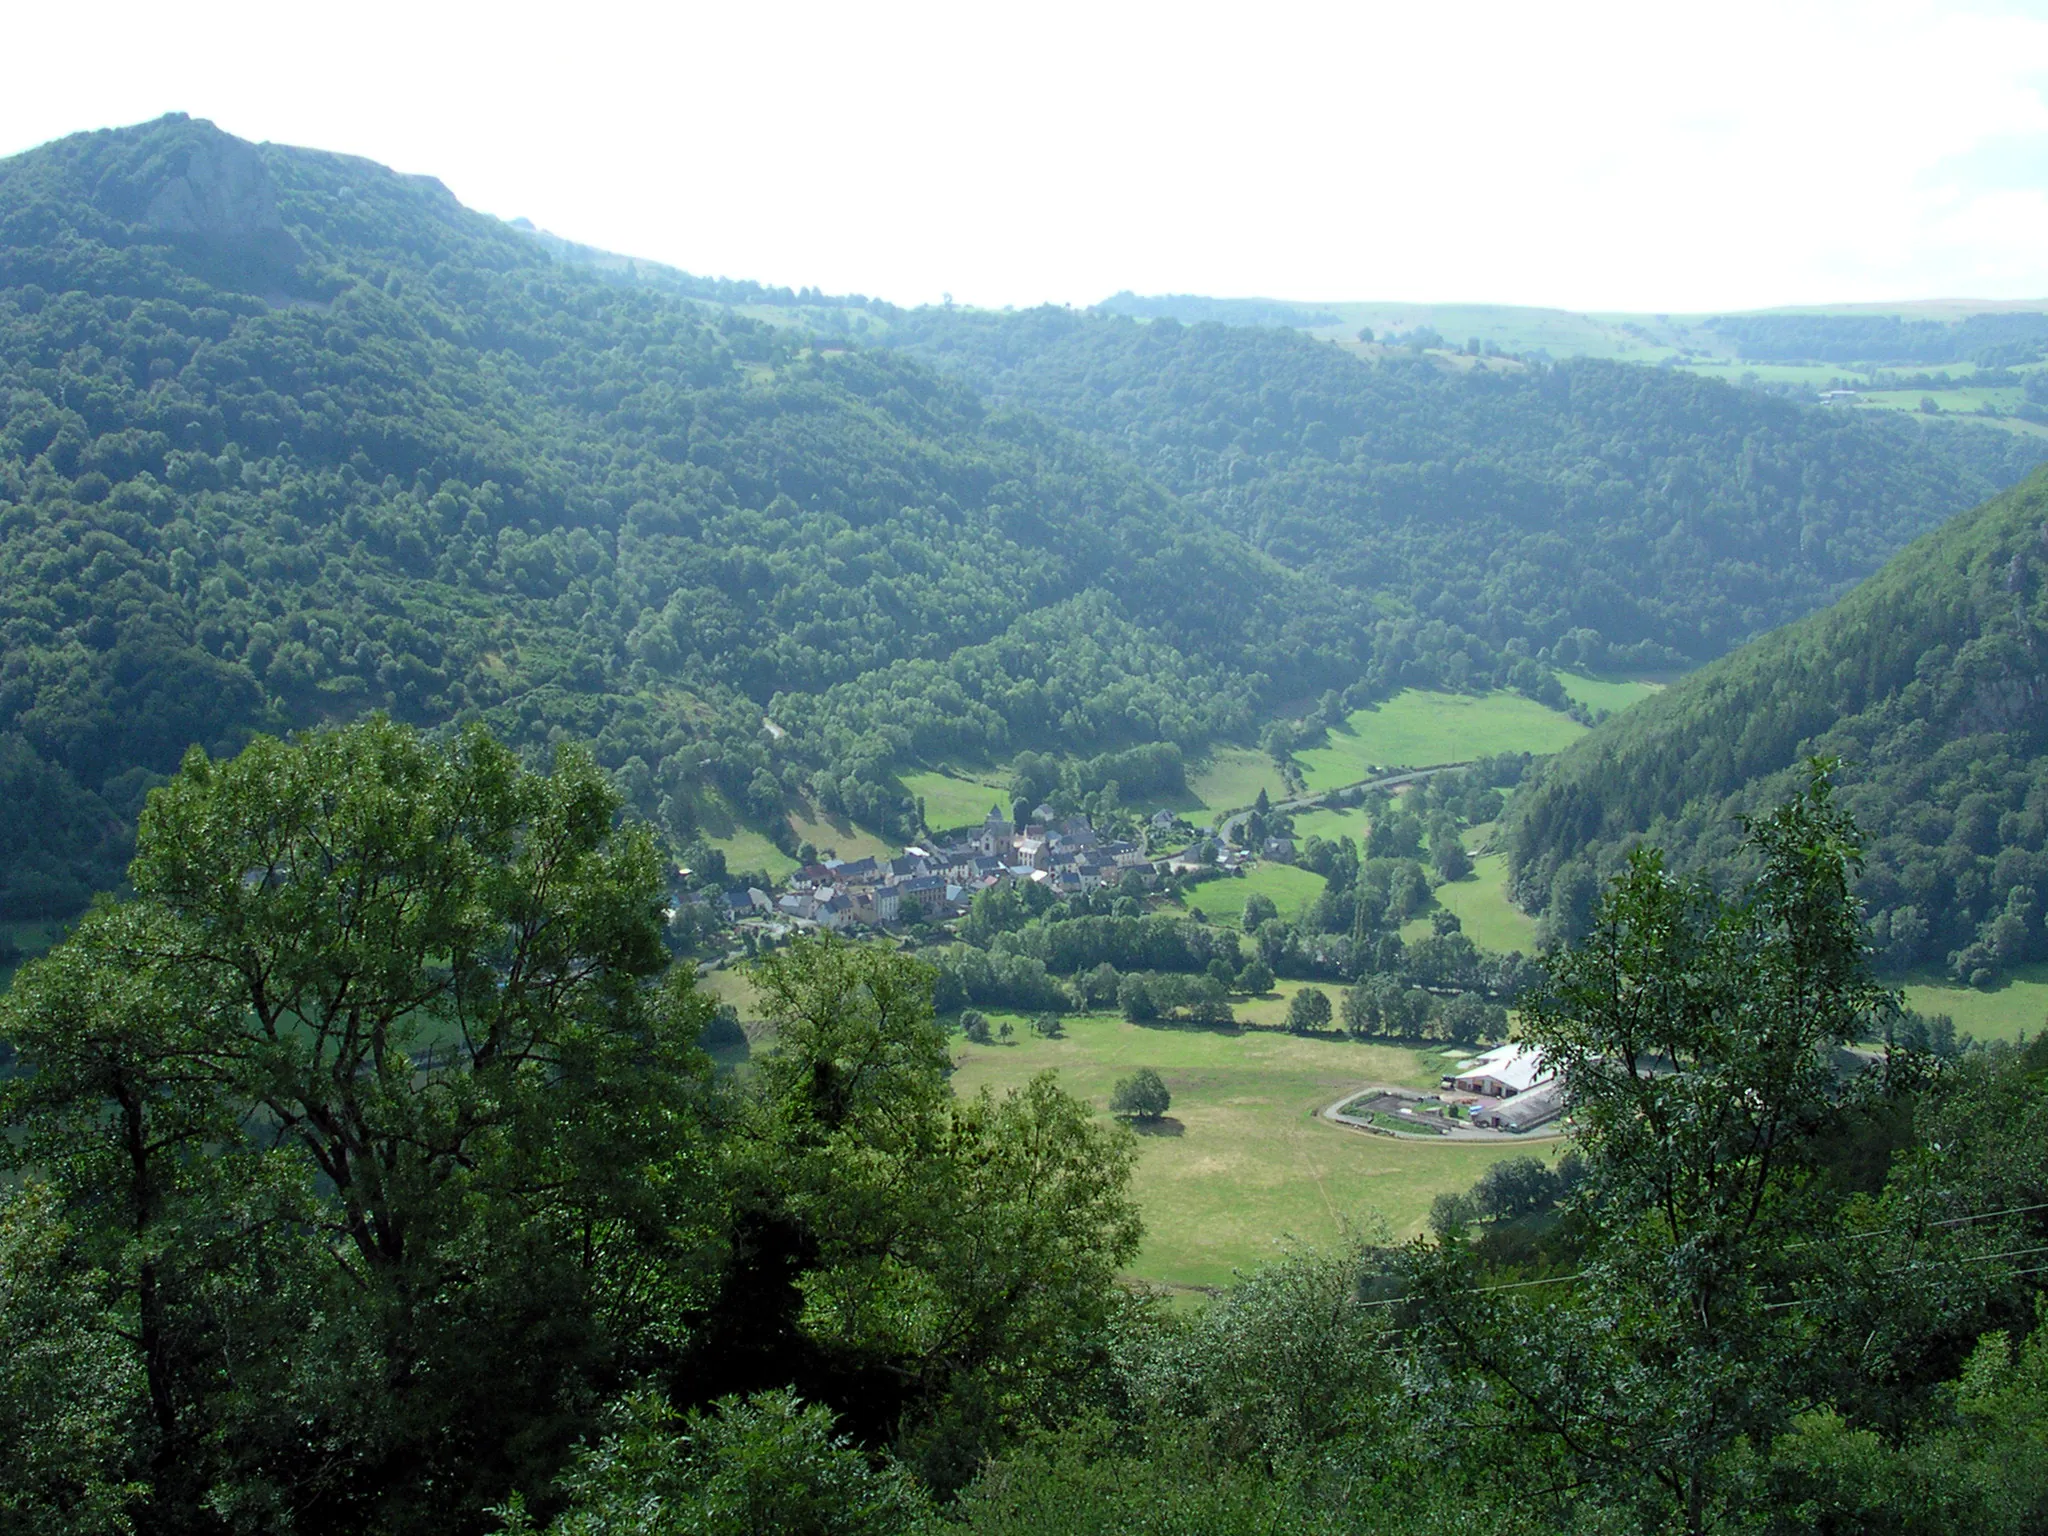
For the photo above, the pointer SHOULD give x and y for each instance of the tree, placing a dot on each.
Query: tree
(1308, 1011)
(1515, 1186)
(1046, 1025)
(1134, 999)
(974, 1025)
(1141, 1096)
(1447, 851)
(421, 977)
(1259, 908)
(1256, 979)
(72, 1395)
(1696, 1038)
(927, 1264)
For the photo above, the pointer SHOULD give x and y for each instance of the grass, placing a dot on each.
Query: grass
(1416, 728)
(732, 986)
(1233, 777)
(1331, 825)
(1481, 903)
(746, 849)
(836, 837)
(955, 799)
(1291, 889)
(2005, 1011)
(1612, 694)
(1242, 1165)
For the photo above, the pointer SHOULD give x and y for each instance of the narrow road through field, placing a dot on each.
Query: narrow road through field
(1227, 826)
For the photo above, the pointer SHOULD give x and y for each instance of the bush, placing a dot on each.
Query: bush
(974, 1025)
(767, 1464)
(1141, 1096)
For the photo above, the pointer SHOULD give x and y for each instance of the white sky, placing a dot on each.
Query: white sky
(1617, 156)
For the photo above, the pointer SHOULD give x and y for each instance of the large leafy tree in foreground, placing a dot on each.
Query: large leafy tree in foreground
(369, 1158)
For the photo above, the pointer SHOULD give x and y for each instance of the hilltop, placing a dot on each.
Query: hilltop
(1926, 682)
(289, 437)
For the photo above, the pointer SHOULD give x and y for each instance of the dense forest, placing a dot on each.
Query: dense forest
(1994, 340)
(1925, 682)
(285, 437)
(1597, 514)
(365, 1176)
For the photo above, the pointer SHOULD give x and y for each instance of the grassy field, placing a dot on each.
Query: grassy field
(1417, 728)
(1614, 694)
(1241, 1165)
(2015, 1007)
(1491, 920)
(731, 986)
(1291, 889)
(956, 799)
(1233, 777)
(837, 838)
(1331, 825)
(744, 848)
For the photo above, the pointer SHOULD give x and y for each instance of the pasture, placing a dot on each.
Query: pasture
(2011, 1008)
(1612, 694)
(1292, 891)
(1232, 777)
(1242, 1166)
(956, 798)
(1415, 728)
(1481, 903)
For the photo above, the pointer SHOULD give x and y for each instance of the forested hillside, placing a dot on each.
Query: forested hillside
(1926, 681)
(285, 436)
(1601, 513)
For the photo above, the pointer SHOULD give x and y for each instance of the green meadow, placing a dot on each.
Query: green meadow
(1612, 694)
(1292, 891)
(1481, 902)
(1232, 777)
(1415, 728)
(1242, 1167)
(2013, 1007)
(954, 798)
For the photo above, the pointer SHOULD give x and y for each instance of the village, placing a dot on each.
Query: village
(1063, 854)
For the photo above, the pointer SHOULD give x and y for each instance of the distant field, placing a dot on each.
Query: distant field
(1415, 728)
(1291, 889)
(1491, 920)
(1233, 777)
(1242, 1165)
(731, 986)
(837, 838)
(2012, 1008)
(1615, 694)
(746, 849)
(955, 799)
(1331, 825)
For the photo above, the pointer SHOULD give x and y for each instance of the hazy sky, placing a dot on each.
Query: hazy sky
(1626, 156)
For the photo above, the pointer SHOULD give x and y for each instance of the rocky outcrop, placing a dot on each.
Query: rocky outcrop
(203, 188)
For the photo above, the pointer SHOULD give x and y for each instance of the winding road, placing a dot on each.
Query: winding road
(1227, 826)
